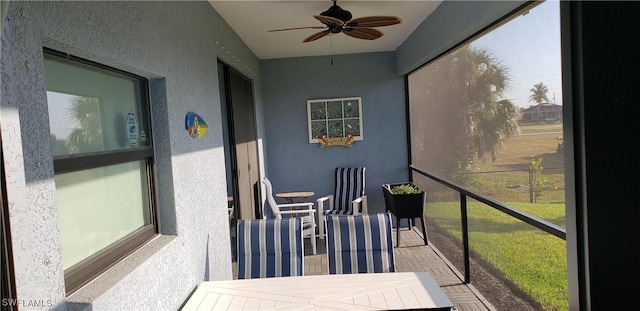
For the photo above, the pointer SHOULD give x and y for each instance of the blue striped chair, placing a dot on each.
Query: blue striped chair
(348, 197)
(270, 248)
(360, 244)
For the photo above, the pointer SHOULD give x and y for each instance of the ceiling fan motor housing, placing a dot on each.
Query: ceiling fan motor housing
(337, 12)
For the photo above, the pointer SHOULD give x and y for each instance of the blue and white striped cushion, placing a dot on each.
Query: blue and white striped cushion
(360, 244)
(349, 185)
(270, 248)
(337, 212)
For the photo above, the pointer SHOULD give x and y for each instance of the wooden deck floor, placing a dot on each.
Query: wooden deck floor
(412, 255)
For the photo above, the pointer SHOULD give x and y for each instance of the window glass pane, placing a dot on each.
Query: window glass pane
(82, 131)
(318, 128)
(97, 207)
(336, 128)
(351, 109)
(318, 111)
(352, 127)
(93, 110)
(334, 110)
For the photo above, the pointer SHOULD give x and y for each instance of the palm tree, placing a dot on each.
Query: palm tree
(490, 119)
(539, 96)
(539, 93)
(467, 114)
(87, 136)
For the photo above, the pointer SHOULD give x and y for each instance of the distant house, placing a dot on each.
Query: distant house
(546, 112)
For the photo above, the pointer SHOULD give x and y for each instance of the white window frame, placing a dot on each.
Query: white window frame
(326, 119)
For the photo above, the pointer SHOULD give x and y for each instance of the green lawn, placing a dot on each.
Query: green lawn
(540, 128)
(532, 259)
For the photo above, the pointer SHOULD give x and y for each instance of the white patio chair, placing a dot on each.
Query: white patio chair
(304, 210)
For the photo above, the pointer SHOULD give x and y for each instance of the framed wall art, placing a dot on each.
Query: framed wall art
(335, 121)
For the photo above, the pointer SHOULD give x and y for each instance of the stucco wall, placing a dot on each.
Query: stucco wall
(176, 45)
(295, 164)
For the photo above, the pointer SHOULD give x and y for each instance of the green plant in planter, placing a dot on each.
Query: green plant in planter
(405, 189)
(405, 200)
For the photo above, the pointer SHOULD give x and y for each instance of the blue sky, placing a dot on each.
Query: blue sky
(529, 46)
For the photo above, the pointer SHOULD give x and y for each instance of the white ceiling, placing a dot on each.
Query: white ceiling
(251, 20)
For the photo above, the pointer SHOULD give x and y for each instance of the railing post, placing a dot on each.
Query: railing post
(465, 237)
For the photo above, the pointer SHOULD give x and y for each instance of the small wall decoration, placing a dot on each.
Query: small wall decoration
(336, 141)
(195, 125)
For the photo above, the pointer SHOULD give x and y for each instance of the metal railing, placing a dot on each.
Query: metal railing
(464, 193)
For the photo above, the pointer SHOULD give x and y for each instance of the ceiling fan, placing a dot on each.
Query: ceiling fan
(337, 20)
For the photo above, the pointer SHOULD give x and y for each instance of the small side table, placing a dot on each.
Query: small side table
(302, 196)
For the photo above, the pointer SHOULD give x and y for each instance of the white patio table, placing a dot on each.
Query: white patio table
(370, 291)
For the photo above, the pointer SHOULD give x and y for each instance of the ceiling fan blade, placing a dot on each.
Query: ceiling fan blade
(363, 33)
(317, 36)
(374, 21)
(295, 28)
(329, 21)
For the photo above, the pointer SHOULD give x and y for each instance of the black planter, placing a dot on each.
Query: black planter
(409, 206)
(403, 205)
